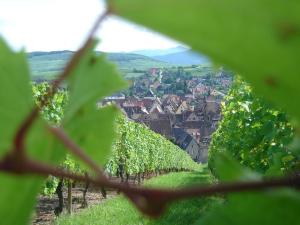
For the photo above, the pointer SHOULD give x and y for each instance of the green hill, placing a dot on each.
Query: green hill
(46, 65)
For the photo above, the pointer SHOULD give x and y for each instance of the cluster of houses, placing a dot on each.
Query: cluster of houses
(182, 107)
(182, 83)
(187, 121)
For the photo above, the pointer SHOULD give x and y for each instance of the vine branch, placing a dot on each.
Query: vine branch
(150, 201)
(76, 150)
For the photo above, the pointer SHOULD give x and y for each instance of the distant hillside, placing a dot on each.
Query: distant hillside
(46, 65)
(130, 61)
(183, 58)
(157, 52)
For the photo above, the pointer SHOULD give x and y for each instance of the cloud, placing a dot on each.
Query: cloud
(118, 34)
(47, 25)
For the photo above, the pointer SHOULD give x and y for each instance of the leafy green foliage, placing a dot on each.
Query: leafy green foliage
(253, 208)
(228, 169)
(53, 111)
(100, 124)
(96, 79)
(41, 145)
(95, 83)
(266, 207)
(19, 195)
(14, 74)
(138, 150)
(50, 186)
(254, 132)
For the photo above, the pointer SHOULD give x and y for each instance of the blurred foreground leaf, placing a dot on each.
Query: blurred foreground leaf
(93, 78)
(15, 95)
(90, 127)
(268, 208)
(17, 195)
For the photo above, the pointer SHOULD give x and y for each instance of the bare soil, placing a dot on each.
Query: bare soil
(44, 213)
(45, 207)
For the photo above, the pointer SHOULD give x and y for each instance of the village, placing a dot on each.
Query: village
(183, 108)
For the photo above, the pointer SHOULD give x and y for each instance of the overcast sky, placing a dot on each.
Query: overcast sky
(47, 25)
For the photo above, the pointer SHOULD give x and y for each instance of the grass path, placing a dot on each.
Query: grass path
(119, 211)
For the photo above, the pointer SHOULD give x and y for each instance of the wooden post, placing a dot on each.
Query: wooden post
(69, 206)
(87, 184)
(59, 191)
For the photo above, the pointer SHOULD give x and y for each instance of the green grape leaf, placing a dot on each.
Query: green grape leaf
(251, 208)
(15, 94)
(92, 79)
(42, 145)
(18, 197)
(91, 128)
(269, 208)
(94, 130)
(16, 103)
(229, 169)
(259, 39)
